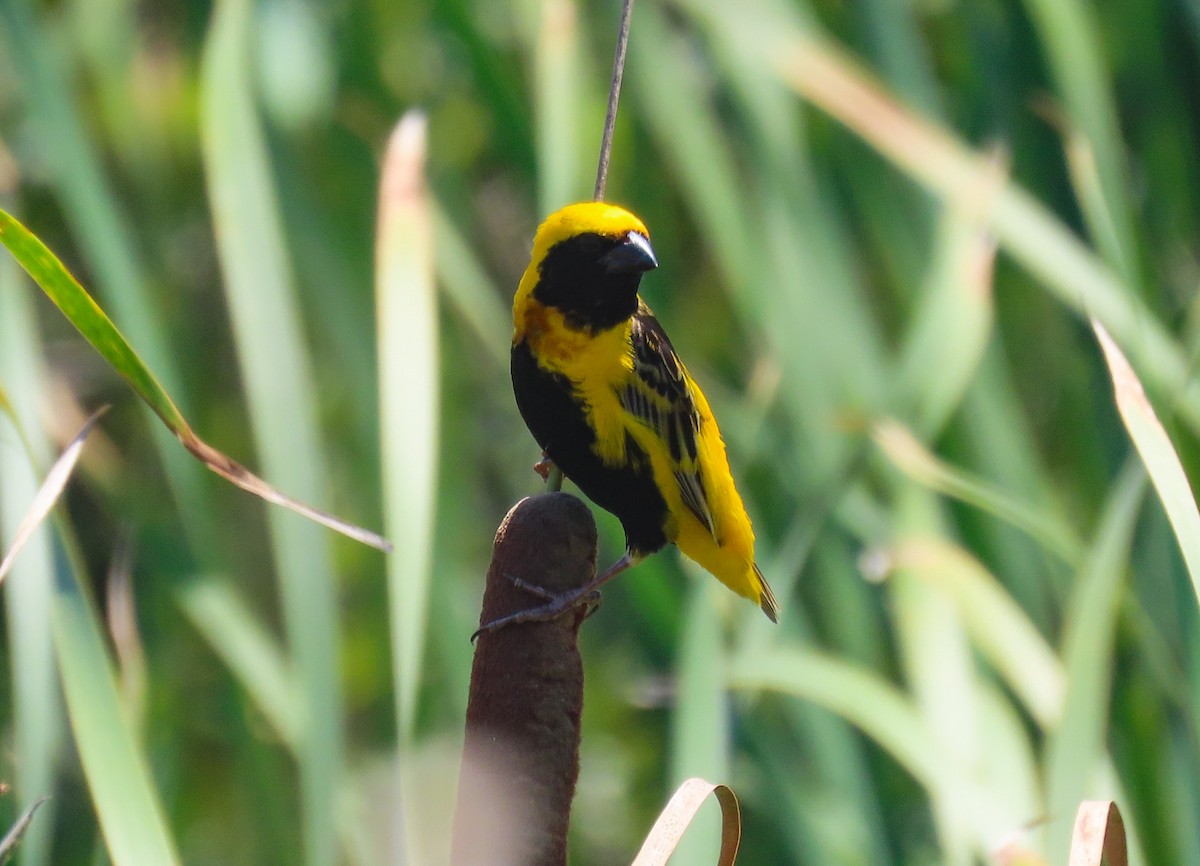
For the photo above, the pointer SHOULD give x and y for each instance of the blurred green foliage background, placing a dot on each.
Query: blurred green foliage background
(968, 647)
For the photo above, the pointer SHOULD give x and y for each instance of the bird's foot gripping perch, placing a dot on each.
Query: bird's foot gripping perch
(544, 466)
(555, 606)
(558, 604)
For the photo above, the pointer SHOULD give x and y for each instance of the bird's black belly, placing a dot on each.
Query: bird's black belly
(557, 421)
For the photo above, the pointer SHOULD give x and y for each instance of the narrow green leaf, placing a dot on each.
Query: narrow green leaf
(468, 288)
(858, 696)
(83, 312)
(699, 716)
(824, 74)
(1073, 46)
(912, 458)
(1074, 750)
(557, 106)
(953, 320)
(37, 721)
(996, 624)
(281, 400)
(130, 814)
(1157, 453)
(127, 805)
(406, 302)
(938, 668)
(249, 651)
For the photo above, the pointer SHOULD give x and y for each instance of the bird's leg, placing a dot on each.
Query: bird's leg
(543, 466)
(557, 605)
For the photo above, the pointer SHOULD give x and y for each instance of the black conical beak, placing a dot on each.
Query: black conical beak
(632, 256)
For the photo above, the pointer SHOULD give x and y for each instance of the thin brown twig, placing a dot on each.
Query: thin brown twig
(614, 97)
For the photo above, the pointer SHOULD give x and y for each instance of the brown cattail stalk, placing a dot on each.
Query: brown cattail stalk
(521, 756)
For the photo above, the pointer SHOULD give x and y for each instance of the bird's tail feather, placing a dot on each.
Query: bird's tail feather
(766, 598)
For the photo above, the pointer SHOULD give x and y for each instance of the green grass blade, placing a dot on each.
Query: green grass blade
(912, 458)
(1074, 749)
(997, 626)
(937, 665)
(127, 805)
(85, 314)
(249, 652)
(1072, 39)
(557, 107)
(1023, 227)
(699, 717)
(952, 322)
(1009, 769)
(408, 337)
(90, 204)
(36, 716)
(894, 33)
(468, 288)
(280, 395)
(672, 102)
(1157, 453)
(858, 696)
(100, 226)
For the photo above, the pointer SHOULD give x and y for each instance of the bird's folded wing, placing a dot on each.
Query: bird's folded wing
(660, 396)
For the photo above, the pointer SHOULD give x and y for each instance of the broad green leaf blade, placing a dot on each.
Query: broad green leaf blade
(406, 300)
(48, 493)
(664, 837)
(1157, 453)
(83, 312)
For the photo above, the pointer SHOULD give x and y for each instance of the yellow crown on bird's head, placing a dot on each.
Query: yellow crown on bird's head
(587, 217)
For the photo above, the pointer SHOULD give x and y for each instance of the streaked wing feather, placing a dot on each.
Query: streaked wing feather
(660, 396)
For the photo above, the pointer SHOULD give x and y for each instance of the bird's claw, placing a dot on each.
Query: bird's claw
(556, 605)
(543, 466)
